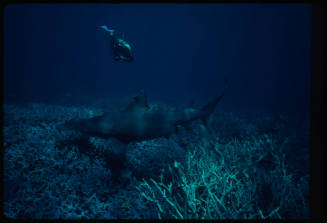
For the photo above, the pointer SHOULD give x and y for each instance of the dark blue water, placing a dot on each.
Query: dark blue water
(182, 52)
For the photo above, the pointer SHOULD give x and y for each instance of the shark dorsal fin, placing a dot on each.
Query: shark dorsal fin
(139, 102)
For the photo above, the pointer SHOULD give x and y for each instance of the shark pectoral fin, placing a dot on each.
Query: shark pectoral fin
(73, 124)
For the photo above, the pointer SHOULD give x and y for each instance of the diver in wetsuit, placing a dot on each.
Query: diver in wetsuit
(122, 49)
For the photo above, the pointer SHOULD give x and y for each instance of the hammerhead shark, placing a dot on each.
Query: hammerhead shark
(139, 121)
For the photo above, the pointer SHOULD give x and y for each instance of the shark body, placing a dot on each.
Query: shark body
(138, 121)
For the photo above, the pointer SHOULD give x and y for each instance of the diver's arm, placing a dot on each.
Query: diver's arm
(111, 31)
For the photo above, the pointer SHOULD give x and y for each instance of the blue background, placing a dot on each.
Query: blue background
(182, 52)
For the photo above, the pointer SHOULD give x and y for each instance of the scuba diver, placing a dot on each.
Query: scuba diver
(122, 49)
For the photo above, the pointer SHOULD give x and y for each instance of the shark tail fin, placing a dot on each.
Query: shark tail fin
(111, 31)
(210, 107)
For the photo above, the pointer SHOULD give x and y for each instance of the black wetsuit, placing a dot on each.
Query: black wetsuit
(122, 50)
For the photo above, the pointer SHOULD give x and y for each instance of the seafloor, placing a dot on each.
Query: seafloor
(251, 165)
